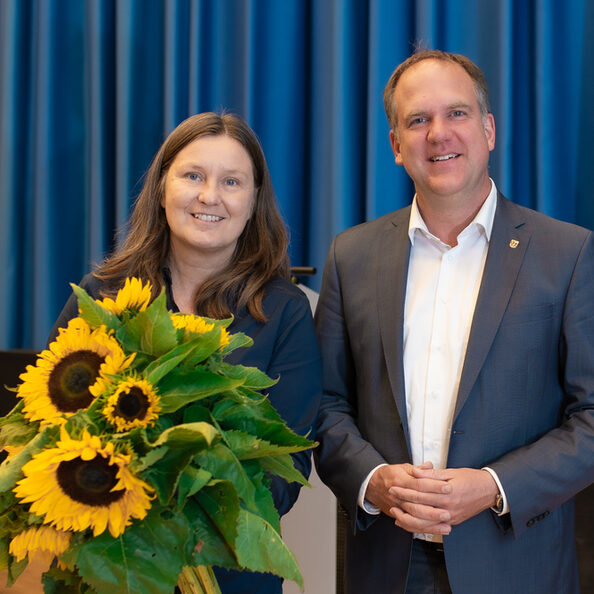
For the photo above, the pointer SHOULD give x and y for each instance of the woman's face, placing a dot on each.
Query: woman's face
(209, 197)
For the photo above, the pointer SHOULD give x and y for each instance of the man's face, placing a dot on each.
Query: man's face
(443, 141)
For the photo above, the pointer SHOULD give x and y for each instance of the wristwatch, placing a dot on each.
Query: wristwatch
(498, 507)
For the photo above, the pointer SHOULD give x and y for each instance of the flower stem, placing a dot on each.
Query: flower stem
(198, 580)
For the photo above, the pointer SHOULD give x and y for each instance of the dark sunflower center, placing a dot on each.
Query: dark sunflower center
(70, 379)
(89, 481)
(132, 404)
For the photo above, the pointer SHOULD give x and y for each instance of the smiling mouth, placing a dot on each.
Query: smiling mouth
(444, 157)
(207, 218)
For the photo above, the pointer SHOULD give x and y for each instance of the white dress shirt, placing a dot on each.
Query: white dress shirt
(441, 293)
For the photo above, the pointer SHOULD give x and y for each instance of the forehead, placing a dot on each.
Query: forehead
(431, 83)
(220, 149)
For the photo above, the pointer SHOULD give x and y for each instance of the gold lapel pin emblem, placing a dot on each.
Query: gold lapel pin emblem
(514, 243)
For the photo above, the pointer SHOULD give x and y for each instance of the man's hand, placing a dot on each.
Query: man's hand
(466, 493)
(398, 490)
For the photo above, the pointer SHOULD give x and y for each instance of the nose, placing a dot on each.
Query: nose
(438, 130)
(208, 193)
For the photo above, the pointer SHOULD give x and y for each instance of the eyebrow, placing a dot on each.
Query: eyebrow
(189, 163)
(450, 107)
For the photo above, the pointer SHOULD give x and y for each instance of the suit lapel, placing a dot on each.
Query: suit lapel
(507, 246)
(393, 256)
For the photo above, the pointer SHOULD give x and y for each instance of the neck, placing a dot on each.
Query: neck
(446, 217)
(188, 274)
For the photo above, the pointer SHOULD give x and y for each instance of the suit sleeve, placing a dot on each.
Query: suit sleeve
(344, 457)
(541, 476)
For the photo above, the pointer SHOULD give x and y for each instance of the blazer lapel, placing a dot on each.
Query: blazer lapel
(507, 246)
(393, 256)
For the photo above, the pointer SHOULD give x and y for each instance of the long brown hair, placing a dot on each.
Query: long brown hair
(261, 250)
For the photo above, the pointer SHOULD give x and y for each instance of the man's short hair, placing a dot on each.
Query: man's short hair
(476, 74)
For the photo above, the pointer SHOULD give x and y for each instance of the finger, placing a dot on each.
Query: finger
(441, 475)
(412, 523)
(425, 466)
(424, 485)
(412, 497)
(426, 512)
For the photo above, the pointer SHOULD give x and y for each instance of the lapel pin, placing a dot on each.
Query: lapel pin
(514, 243)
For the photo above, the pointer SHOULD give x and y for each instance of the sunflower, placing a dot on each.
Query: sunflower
(71, 372)
(198, 325)
(134, 297)
(82, 484)
(134, 403)
(41, 543)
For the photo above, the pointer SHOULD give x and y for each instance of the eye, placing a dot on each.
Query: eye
(230, 181)
(193, 176)
(458, 113)
(417, 121)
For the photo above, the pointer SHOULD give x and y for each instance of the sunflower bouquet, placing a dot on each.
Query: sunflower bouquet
(139, 458)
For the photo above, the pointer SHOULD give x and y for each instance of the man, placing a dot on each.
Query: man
(457, 335)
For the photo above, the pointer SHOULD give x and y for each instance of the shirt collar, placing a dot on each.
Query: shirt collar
(483, 219)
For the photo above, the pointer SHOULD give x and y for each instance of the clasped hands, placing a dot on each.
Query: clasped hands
(426, 500)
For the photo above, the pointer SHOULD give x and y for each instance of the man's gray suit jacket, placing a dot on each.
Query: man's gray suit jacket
(524, 406)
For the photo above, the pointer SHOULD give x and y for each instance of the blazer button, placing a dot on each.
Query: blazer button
(530, 523)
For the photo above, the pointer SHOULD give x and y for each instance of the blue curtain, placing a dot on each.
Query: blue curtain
(90, 88)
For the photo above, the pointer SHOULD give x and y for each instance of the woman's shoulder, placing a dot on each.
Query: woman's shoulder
(280, 291)
(92, 285)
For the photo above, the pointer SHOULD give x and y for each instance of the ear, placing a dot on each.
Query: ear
(489, 126)
(395, 148)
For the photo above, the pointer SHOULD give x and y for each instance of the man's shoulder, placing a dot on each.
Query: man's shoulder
(542, 224)
(370, 229)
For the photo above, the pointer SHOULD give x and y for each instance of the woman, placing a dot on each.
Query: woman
(206, 227)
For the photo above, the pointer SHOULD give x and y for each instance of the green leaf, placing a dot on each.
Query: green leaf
(183, 443)
(246, 446)
(196, 412)
(148, 557)
(224, 323)
(192, 436)
(212, 548)
(190, 482)
(95, 314)
(252, 377)
(4, 558)
(16, 411)
(261, 420)
(17, 432)
(150, 331)
(192, 352)
(283, 466)
(237, 340)
(206, 344)
(261, 548)
(160, 367)
(220, 503)
(11, 468)
(183, 386)
(264, 502)
(149, 459)
(59, 581)
(223, 464)
(15, 568)
(164, 475)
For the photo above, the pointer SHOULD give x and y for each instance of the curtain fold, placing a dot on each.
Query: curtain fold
(90, 88)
